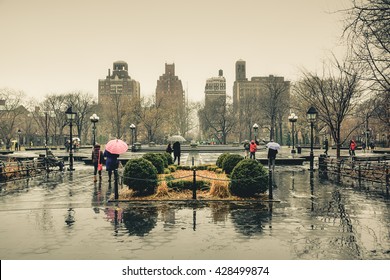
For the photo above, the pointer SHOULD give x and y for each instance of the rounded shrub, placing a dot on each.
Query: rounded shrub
(141, 176)
(156, 160)
(248, 178)
(168, 158)
(220, 159)
(230, 162)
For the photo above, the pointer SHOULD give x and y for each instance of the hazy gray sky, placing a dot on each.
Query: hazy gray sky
(50, 46)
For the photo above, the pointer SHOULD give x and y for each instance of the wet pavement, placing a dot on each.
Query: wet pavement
(67, 216)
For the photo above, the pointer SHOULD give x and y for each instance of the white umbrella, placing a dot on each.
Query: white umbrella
(76, 139)
(176, 138)
(273, 146)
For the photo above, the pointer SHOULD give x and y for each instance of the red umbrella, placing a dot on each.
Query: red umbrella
(116, 146)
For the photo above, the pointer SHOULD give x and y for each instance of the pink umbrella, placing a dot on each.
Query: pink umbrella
(116, 146)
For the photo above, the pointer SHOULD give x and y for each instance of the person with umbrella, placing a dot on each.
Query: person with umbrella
(113, 149)
(272, 152)
(176, 152)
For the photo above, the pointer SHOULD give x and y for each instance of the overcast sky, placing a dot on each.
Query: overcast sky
(50, 46)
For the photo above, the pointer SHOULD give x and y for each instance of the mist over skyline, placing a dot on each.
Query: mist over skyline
(61, 46)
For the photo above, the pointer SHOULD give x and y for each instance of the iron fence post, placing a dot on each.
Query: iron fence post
(194, 184)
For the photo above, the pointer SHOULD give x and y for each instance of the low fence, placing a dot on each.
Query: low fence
(375, 170)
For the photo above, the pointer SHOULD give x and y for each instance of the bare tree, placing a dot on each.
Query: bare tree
(249, 114)
(11, 110)
(334, 95)
(151, 115)
(218, 119)
(274, 102)
(367, 30)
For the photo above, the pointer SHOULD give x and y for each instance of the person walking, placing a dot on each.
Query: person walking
(364, 147)
(246, 148)
(97, 161)
(112, 163)
(253, 149)
(326, 146)
(352, 147)
(169, 149)
(176, 152)
(272, 152)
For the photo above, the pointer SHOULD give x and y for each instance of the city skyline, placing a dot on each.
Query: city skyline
(56, 47)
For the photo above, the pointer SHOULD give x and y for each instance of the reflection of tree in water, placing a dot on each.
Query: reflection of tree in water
(168, 215)
(219, 211)
(140, 221)
(347, 239)
(249, 219)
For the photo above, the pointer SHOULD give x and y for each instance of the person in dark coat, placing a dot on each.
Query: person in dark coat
(169, 149)
(97, 158)
(112, 163)
(272, 157)
(326, 146)
(176, 152)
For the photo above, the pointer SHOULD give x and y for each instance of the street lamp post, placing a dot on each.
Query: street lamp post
(94, 119)
(132, 127)
(311, 117)
(255, 128)
(71, 116)
(19, 132)
(292, 118)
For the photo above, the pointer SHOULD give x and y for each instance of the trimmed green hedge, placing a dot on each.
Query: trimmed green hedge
(230, 161)
(141, 176)
(220, 159)
(167, 159)
(179, 185)
(249, 177)
(157, 160)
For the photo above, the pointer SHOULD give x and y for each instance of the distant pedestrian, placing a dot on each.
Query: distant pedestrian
(246, 148)
(352, 147)
(364, 147)
(326, 146)
(272, 152)
(112, 163)
(169, 149)
(67, 145)
(97, 161)
(176, 152)
(372, 145)
(253, 149)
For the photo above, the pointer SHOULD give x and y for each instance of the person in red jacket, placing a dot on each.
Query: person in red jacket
(253, 149)
(352, 147)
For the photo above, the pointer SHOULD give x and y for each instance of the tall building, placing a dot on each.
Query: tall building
(254, 88)
(118, 83)
(215, 90)
(215, 105)
(170, 87)
(261, 99)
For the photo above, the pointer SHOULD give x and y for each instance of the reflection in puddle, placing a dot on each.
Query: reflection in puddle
(313, 220)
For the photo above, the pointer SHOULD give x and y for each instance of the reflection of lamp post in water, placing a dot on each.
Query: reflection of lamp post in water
(94, 119)
(311, 117)
(71, 116)
(292, 118)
